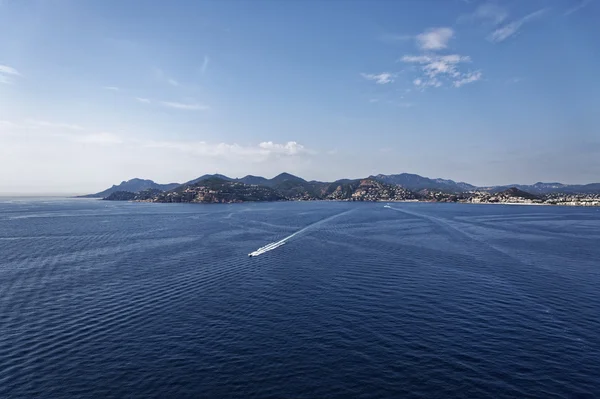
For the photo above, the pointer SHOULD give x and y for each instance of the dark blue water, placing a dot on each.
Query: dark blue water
(130, 300)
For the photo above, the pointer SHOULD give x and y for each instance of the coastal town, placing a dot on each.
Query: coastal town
(219, 190)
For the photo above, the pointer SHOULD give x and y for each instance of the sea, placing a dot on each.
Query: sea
(103, 299)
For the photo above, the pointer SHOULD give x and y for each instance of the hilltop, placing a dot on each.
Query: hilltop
(134, 186)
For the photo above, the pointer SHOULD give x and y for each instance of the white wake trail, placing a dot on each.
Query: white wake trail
(277, 244)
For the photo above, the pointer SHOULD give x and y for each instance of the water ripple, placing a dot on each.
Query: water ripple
(425, 301)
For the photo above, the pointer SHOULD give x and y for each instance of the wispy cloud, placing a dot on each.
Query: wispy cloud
(260, 152)
(185, 106)
(8, 124)
(5, 69)
(7, 74)
(380, 78)
(469, 77)
(163, 77)
(402, 104)
(435, 38)
(510, 29)
(582, 4)
(38, 124)
(52, 125)
(438, 68)
(143, 100)
(489, 13)
(66, 131)
(112, 88)
(205, 64)
(102, 138)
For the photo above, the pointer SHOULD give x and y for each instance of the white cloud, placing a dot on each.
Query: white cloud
(436, 68)
(173, 82)
(435, 38)
(205, 64)
(582, 4)
(289, 148)
(381, 78)
(79, 162)
(510, 29)
(112, 88)
(468, 78)
(185, 106)
(7, 74)
(143, 100)
(423, 83)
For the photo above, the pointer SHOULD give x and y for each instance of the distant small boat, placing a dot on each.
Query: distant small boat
(387, 206)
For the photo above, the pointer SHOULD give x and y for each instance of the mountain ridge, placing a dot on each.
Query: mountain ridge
(291, 185)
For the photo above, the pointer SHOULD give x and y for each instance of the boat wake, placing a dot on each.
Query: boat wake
(277, 244)
(268, 247)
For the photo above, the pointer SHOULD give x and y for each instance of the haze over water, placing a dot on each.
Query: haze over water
(105, 299)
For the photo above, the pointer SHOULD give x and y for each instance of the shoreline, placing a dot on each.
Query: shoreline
(375, 201)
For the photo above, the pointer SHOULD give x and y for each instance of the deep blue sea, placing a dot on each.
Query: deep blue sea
(131, 300)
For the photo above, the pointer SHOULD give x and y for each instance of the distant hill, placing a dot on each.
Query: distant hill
(120, 196)
(254, 180)
(132, 186)
(286, 177)
(144, 195)
(549, 188)
(368, 189)
(206, 177)
(517, 193)
(217, 190)
(417, 183)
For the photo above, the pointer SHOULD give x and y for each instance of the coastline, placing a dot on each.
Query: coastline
(366, 201)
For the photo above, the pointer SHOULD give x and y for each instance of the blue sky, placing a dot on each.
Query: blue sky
(488, 92)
